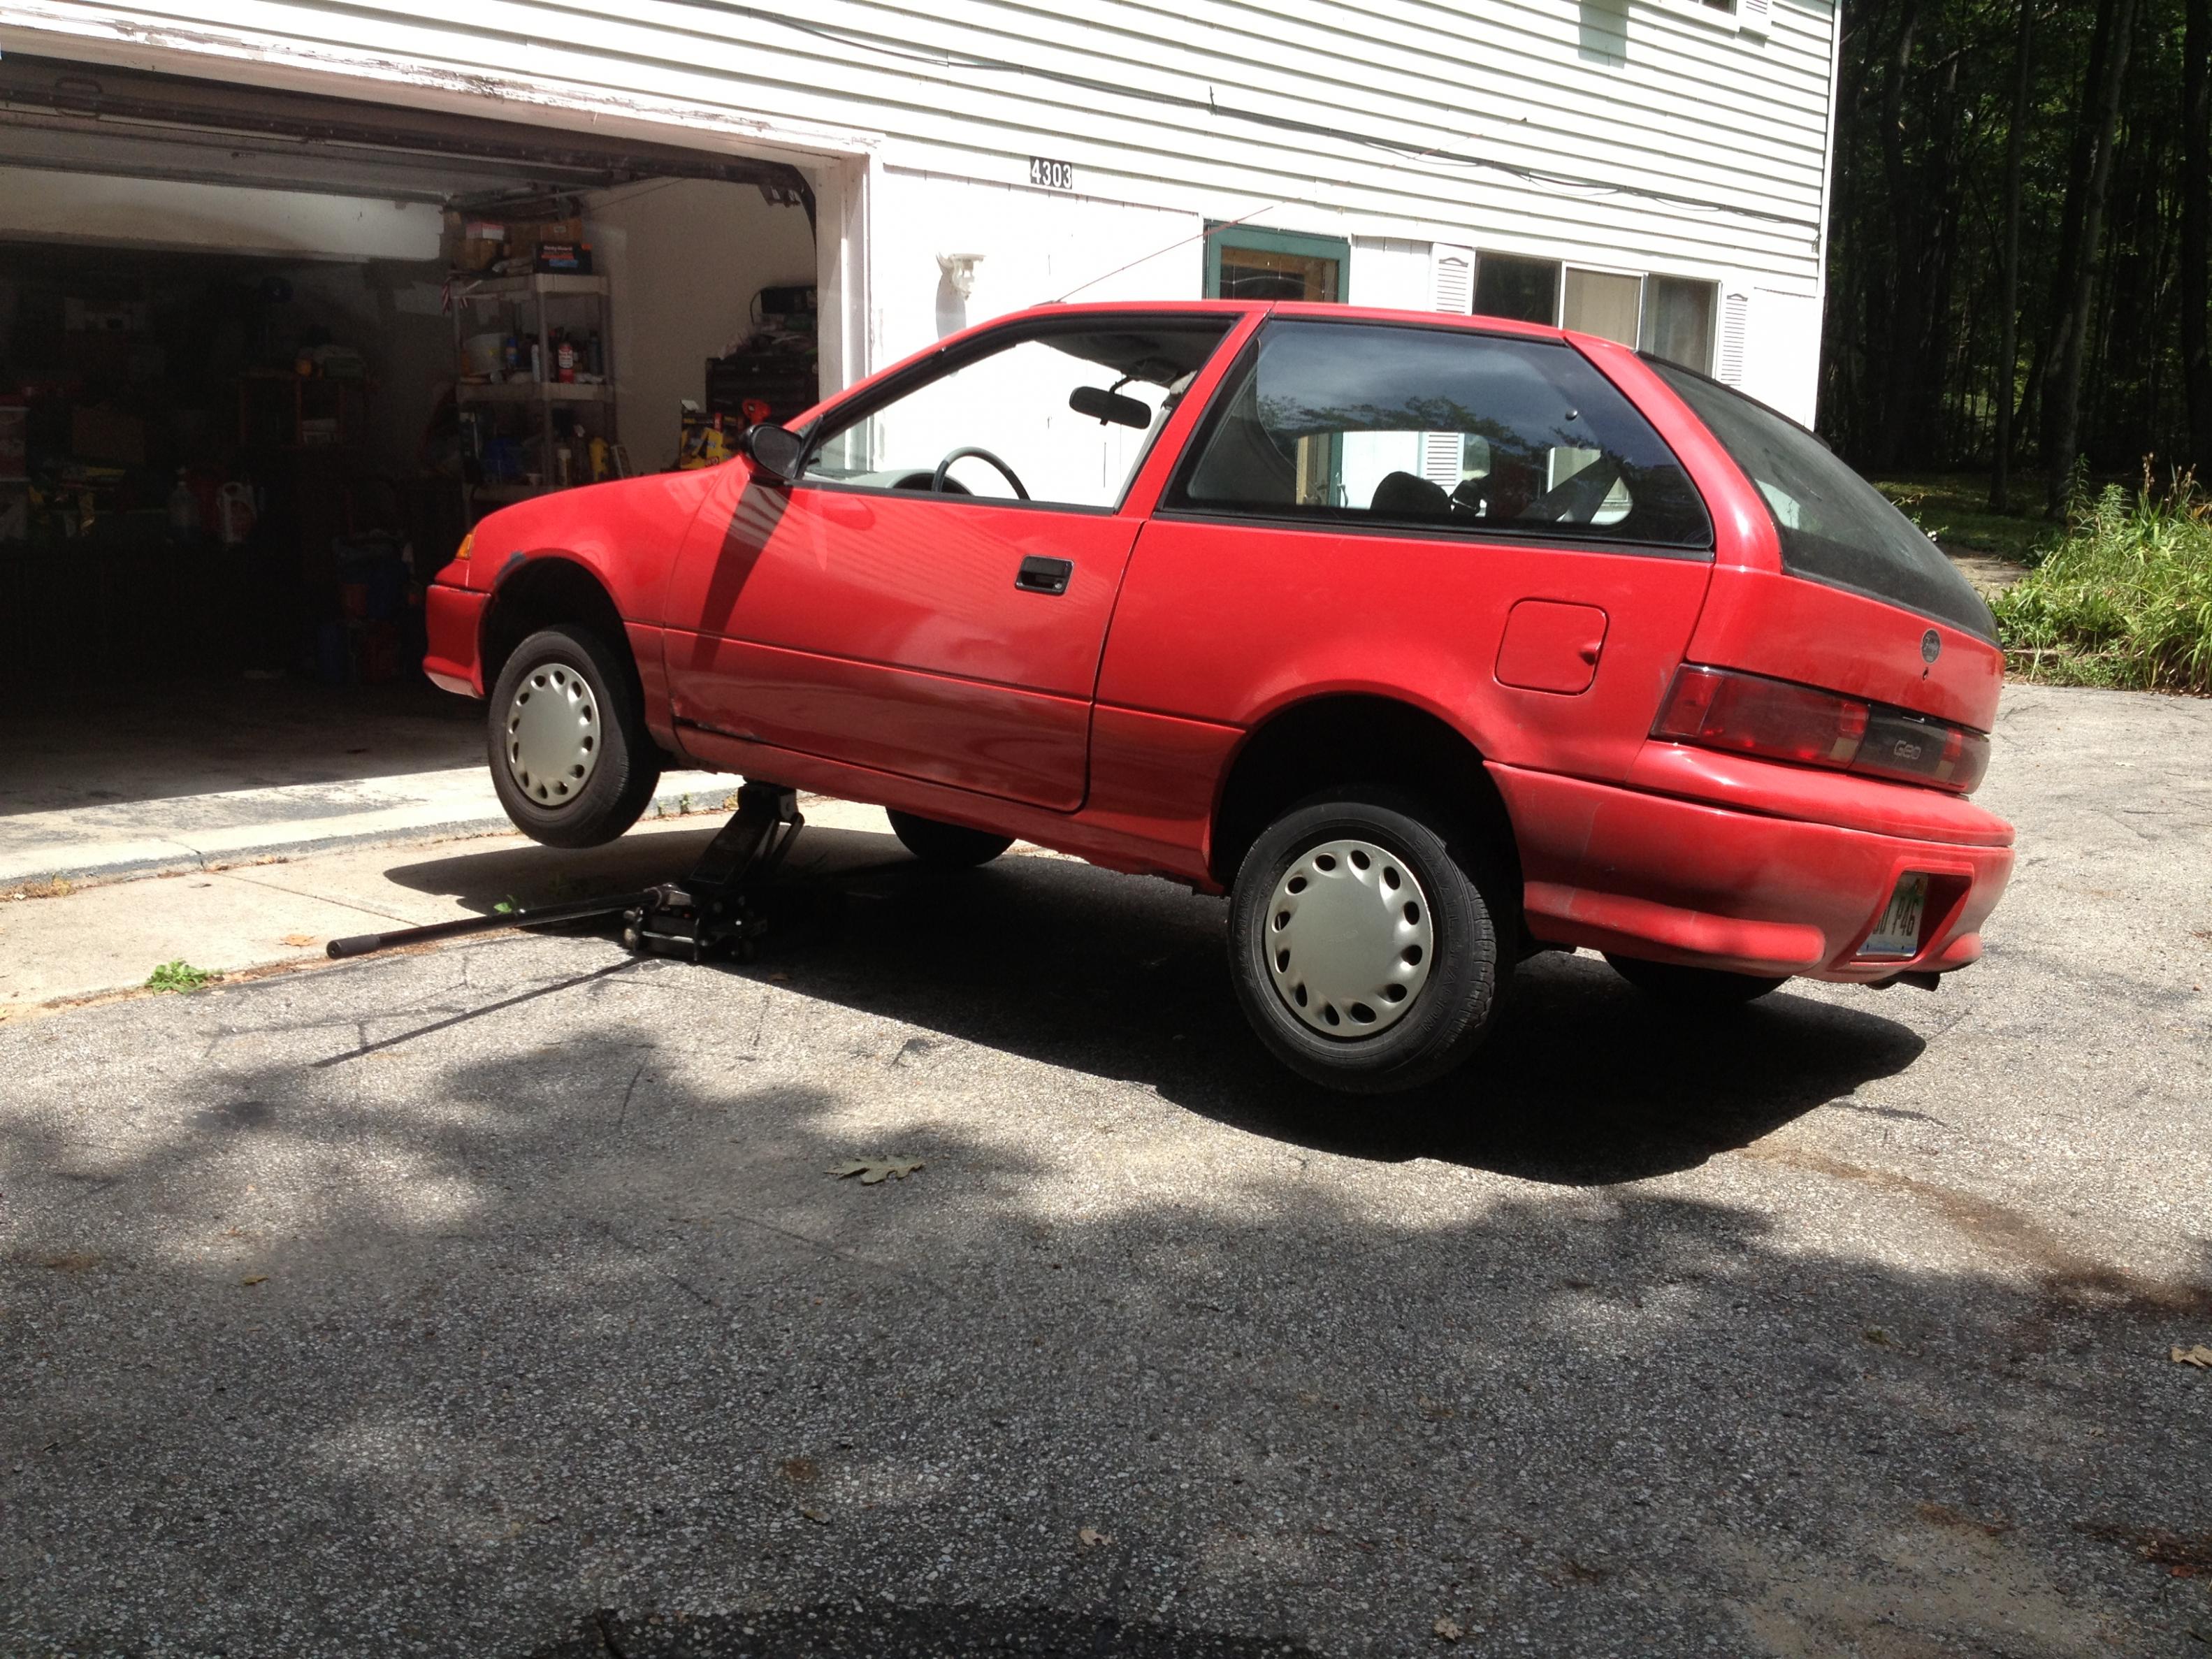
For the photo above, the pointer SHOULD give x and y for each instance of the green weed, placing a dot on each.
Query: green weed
(2124, 598)
(180, 975)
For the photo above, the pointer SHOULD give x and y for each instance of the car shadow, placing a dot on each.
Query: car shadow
(1584, 1082)
(483, 878)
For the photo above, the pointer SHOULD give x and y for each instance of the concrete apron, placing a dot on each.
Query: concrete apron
(256, 917)
(104, 841)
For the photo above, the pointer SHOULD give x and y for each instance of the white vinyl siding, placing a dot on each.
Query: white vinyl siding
(1696, 146)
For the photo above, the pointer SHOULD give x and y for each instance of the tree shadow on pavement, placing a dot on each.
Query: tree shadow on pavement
(901, 1632)
(323, 1348)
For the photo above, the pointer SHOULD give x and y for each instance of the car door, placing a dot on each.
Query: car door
(931, 597)
(1479, 523)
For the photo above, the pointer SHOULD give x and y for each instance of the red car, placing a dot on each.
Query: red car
(1433, 641)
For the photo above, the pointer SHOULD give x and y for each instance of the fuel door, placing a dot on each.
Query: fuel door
(1549, 646)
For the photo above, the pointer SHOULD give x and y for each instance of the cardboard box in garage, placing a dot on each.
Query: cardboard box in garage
(113, 435)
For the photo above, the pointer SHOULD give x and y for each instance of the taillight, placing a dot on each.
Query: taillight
(1750, 715)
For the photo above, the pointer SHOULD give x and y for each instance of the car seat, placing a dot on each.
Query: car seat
(1409, 495)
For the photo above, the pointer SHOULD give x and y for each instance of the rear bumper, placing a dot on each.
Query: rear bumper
(1685, 881)
(450, 617)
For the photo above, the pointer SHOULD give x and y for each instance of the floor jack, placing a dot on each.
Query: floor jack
(715, 908)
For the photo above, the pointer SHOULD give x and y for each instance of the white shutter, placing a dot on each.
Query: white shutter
(1736, 317)
(1754, 16)
(1451, 288)
(1451, 278)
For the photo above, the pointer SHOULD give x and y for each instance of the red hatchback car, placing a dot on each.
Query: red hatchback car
(1433, 641)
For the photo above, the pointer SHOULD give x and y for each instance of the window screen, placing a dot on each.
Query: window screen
(1835, 527)
(1678, 320)
(1526, 290)
(1331, 422)
(1601, 303)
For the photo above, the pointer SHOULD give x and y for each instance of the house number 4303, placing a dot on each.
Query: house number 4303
(1052, 175)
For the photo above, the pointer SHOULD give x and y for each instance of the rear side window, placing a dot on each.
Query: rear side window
(1835, 526)
(1436, 431)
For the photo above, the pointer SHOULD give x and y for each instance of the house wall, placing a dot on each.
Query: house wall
(1643, 134)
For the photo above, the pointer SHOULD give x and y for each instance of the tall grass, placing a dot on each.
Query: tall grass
(2124, 598)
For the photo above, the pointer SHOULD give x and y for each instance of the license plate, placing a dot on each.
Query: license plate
(1898, 932)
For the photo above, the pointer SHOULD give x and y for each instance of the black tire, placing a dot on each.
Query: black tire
(948, 845)
(1692, 988)
(1448, 1015)
(627, 765)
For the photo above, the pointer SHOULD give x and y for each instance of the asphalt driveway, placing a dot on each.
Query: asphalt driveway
(496, 1300)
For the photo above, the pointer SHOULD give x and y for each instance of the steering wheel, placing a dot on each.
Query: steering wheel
(936, 478)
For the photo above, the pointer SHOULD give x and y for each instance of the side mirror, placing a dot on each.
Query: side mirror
(775, 450)
(1109, 408)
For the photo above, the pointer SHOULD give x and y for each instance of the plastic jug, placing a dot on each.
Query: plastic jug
(184, 512)
(234, 514)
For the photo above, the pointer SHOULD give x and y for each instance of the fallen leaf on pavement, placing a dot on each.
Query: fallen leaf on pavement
(2200, 1356)
(820, 1516)
(1090, 1538)
(1446, 1631)
(872, 1171)
(299, 939)
(258, 1279)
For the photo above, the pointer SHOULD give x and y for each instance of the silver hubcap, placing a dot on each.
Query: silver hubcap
(1349, 940)
(552, 734)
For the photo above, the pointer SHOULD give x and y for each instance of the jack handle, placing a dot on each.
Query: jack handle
(361, 945)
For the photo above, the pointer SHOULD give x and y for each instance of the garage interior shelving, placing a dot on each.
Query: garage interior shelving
(567, 414)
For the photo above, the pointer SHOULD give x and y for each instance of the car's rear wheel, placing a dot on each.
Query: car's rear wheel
(948, 845)
(1692, 988)
(1363, 947)
(570, 754)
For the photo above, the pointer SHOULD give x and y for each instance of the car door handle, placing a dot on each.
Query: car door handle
(1041, 575)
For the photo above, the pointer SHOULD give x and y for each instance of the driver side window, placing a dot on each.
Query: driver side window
(1063, 416)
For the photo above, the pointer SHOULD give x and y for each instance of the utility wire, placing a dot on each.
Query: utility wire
(946, 58)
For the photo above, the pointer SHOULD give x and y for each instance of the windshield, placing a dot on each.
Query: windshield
(1835, 526)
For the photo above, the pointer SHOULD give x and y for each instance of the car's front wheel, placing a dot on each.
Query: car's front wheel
(570, 754)
(1364, 948)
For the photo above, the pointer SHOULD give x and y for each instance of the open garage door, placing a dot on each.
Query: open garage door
(265, 356)
(89, 119)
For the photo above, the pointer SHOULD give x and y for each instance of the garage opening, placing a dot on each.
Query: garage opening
(265, 357)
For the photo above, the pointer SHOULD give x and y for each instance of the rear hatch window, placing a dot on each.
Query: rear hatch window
(1835, 526)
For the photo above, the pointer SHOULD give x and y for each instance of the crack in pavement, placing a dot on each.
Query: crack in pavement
(242, 877)
(622, 1116)
(367, 1048)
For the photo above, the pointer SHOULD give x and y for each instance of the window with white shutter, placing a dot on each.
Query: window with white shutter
(1452, 279)
(1735, 316)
